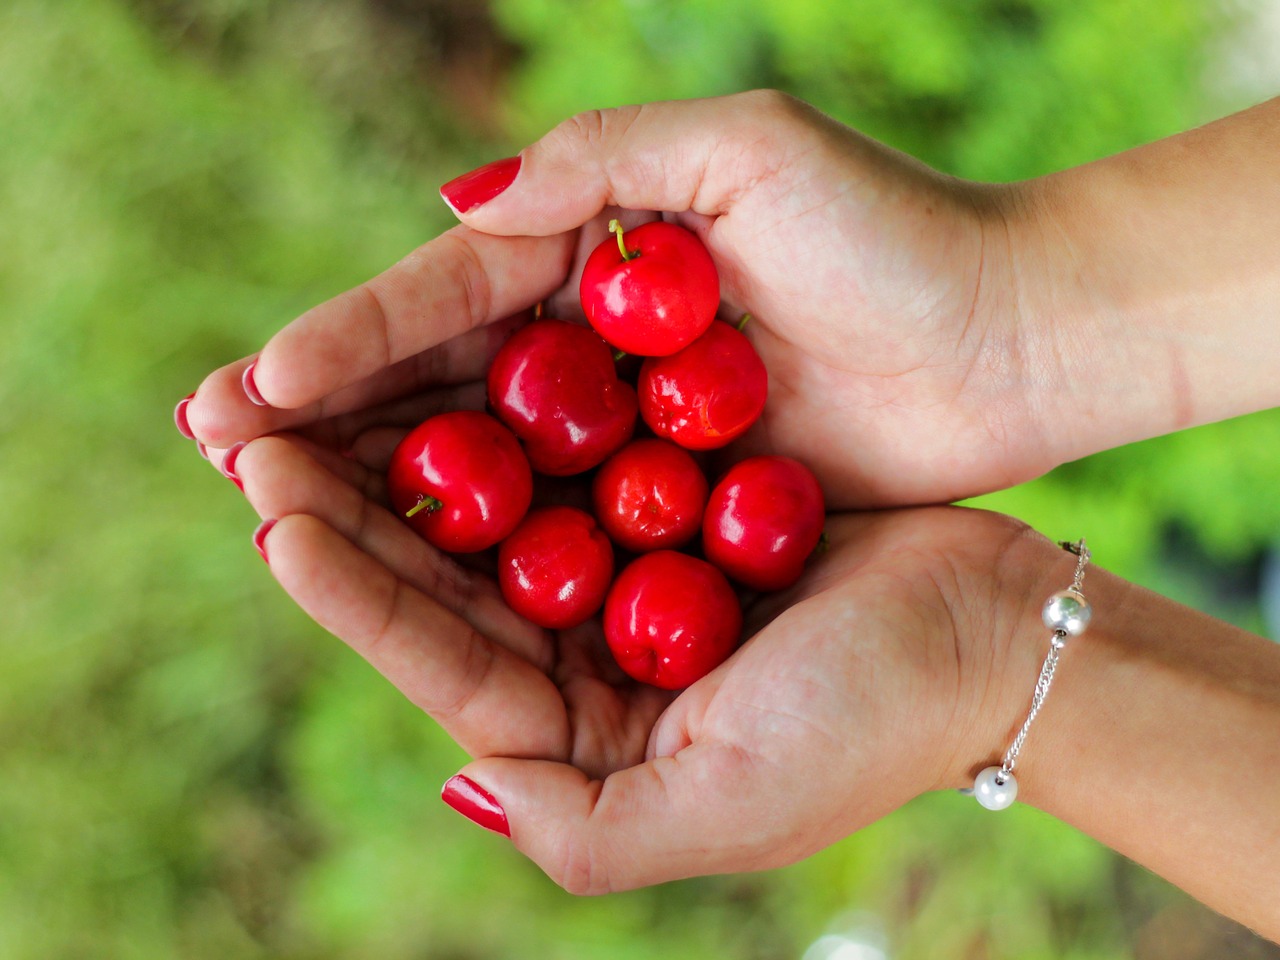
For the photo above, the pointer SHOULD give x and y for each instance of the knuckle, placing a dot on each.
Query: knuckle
(479, 660)
(580, 871)
(379, 311)
(773, 103)
(585, 127)
(469, 279)
(598, 127)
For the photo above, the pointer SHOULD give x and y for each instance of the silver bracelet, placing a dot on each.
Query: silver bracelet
(1067, 614)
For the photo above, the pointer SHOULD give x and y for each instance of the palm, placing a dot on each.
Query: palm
(848, 684)
(503, 687)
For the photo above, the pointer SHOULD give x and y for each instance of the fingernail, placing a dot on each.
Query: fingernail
(180, 417)
(202, 450)
(250, 386)
(228, 466)
(476, 804)
(260, 538)
(480, 185)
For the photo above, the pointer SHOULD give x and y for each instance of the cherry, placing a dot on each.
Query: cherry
(556, 567)
(461, 480)
(671, 619)
(651, 292)
(650, 495)
(707, 394)
(554, 384)
(763, 520)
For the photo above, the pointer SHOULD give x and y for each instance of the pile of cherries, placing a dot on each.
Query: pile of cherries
(465, 480)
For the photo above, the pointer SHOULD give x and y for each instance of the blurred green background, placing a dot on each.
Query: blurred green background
(188, 766)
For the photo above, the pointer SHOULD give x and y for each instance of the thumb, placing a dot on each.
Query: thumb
(699, 155)
(670, 818)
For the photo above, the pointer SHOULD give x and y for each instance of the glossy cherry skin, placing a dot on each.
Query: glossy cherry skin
(763, 520)
(554, 384)
(657, 302)
(670, 619)
(474, 466)
(707, 394)
(650, 495)
(555, 569)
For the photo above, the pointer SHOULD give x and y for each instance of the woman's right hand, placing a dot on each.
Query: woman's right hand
(926, 338)
(881, 293)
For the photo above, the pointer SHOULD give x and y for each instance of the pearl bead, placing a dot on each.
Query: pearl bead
(1067, 611)
(992, 794)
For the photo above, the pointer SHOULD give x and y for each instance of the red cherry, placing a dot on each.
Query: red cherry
(763, 520)
(556, 567)
(651, 292)
(554, 384)
(461, 480)
(706, 394)
(671, 619)
(650, 495)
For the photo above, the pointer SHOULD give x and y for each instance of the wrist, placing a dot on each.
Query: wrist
(1147, 283)
(1004, 647)
(1015, 322)
(1160, 737)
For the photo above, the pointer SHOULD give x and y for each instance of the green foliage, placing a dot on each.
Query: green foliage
(994, 89)
(191, 768)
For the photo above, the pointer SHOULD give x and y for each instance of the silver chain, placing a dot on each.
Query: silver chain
(1050, 664)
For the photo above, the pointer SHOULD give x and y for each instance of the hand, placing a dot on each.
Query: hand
(859, 691)
(880, 292)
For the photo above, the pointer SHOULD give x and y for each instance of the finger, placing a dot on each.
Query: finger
(374, 448)
(694, 813)
(700, 155)
(455, 283)
(343, 432)
(487, 698)
(354, 444)
(345, 468)
(221, 413)
(280, 479)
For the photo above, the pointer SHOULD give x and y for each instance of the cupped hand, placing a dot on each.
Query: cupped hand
(860, 688)
(885, 296)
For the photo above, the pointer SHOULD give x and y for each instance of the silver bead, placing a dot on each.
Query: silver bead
(1067, 611)
(995, 789)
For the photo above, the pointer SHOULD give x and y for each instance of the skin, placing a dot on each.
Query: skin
(944, 338)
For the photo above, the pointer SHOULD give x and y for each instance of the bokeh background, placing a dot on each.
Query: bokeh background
(189, 767)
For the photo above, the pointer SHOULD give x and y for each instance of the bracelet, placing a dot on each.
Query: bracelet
(1067, 614)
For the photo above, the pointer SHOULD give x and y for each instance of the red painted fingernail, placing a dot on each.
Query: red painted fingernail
(228, 466)
(480, 185)
(250, 386)
(260, 537)
(180, 417)
(476, 804)
(202, 450)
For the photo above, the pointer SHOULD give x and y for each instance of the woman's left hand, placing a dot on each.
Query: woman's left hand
(853, 694)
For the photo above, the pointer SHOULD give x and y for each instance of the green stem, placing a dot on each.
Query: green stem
(616, 227)
(619, 355)
(429, 504)
(746, 317)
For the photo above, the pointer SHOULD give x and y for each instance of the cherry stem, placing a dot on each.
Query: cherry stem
(746, 318)
(616, 227)
(619, 355)
(429, 504)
